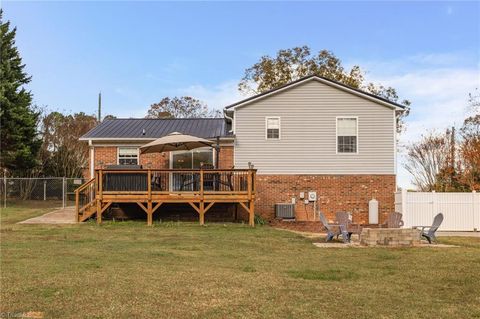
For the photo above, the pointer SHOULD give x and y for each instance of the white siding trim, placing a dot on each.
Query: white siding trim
(336, 135)
(395, 147)
(92, 159)
(279, 128)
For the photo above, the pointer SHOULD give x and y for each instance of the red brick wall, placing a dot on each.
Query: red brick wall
(155, 160)
(334, 193)
(225, 157)
(105, 155)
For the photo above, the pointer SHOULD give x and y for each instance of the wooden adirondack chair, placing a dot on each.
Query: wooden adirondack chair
(334, 229)
(394, 220)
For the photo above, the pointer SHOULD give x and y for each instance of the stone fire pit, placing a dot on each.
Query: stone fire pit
(392, 237)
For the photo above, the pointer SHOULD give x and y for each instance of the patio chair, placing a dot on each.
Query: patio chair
(343, 218)
(333, 229)
(429, 231)
(394, 220)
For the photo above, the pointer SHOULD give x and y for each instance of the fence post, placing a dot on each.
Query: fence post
(434, 203)
(44, 189)
(476, 215)
(64, 184)
(4, 190)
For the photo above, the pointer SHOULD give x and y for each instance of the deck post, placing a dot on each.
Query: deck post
(201, 183)
(202, 212)
(149, 213)
(251, 213)
(99, 211)
(77, 203)
(149, 184)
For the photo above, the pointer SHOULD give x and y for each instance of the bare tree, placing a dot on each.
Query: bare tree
(62, 154)
(426, 159)
(470, 152)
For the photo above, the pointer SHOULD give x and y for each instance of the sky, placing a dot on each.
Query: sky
(136, 53)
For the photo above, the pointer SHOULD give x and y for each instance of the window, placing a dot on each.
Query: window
(347, 135)
(272, 128)
(192, 159)
(127, 156)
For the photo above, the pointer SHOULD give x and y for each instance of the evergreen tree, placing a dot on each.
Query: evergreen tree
(19, 141)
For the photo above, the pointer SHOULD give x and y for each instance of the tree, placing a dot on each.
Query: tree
(18, 134)
(292, 64)
(62, 154)
(181, 107)
(470, 152)
(426, 159)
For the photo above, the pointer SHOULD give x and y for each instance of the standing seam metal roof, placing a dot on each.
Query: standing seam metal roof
(155, 128)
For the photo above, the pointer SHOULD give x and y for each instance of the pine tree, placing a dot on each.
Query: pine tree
(19, 140)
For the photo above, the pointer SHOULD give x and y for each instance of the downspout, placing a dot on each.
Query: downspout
(228, 118)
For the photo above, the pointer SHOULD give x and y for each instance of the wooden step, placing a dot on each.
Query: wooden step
(87, 213)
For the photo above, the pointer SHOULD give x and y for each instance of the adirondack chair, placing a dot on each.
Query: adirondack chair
(429, 231)
(343, 218)
(334, 229)
(394, 220)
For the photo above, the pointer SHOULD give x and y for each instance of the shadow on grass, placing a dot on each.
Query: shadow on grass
(325, 275)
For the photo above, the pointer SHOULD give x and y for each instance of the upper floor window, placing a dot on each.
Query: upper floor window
(272, 128)
(347, 134)
(127, 156)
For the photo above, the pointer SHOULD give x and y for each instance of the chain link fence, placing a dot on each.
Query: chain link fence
(52, 191)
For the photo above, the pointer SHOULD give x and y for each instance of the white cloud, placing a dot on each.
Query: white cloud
(216, 96)
(439, 97)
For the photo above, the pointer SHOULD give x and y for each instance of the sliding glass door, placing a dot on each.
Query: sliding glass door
(189, 160)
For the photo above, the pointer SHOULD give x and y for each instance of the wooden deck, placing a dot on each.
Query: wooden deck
(150, 188)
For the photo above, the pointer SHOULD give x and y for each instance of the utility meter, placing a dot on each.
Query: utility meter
(312, 196)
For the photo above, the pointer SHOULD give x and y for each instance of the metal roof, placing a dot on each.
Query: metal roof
(155, 128)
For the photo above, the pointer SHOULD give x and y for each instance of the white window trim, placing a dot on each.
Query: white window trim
(279, 128)
(118, 153)
(336, 134)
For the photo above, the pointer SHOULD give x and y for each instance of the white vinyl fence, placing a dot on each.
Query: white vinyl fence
(461, 211)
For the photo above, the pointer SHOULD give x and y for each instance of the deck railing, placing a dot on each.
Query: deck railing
(167, 181)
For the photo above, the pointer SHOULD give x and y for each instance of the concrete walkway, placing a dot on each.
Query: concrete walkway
(60, 216)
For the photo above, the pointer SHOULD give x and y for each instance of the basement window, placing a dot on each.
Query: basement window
(347, 135)
(127, 156)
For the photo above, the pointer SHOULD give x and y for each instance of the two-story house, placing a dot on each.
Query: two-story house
(312, 136)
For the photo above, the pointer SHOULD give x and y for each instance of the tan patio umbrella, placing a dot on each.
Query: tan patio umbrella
(175, 142)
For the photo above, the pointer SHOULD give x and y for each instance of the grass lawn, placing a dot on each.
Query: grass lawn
(183, 270)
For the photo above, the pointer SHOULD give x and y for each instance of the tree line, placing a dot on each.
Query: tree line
(448, 161)
(36, 142)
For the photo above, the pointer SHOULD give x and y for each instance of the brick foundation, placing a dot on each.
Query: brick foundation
(334, 193)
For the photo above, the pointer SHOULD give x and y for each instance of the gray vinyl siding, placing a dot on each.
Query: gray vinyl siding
(307, 143)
